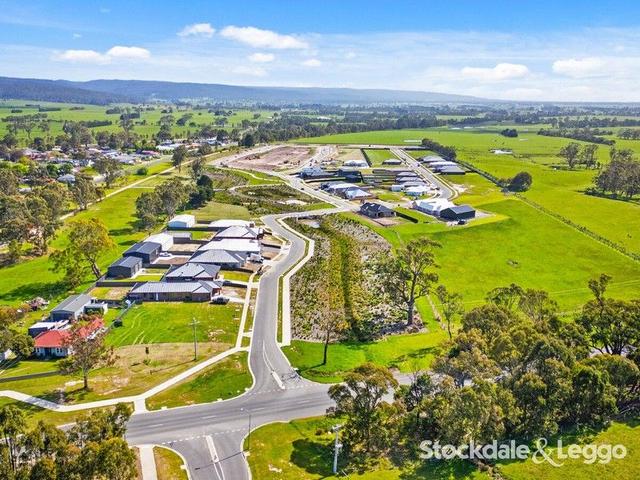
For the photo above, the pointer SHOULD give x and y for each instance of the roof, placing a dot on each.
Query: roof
(200, 286)
(57, 338)
(460, 209)
(451, 169)
(194, 270)
(128, 262)
(375, 207)
(143, 247)
(185, 217)
(217, 256)
(72, 303)
(238, 232)
(233, 245)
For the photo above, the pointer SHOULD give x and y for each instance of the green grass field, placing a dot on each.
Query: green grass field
(225, 379)
(304, 451)
(556, 189)
(377, 157)
(407, 353)
(169, 322)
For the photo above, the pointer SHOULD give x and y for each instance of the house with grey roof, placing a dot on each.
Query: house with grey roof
(376, 210)
(224, 258)
(250, 233)
(199, 291)
(190, 272)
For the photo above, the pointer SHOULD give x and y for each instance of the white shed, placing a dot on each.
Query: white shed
(182, 221)
(164, 239)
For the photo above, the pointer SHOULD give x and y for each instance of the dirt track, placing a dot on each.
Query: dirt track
(276, 159)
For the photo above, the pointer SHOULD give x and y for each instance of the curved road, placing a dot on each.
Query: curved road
(210, 436)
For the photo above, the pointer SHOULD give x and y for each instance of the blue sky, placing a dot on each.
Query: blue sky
(541, 50)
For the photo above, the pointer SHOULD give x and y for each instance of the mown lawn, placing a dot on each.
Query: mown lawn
(170, 322)
(169, 464)
(225, 379)
(303, 450)
(408, 353)
(377, 157)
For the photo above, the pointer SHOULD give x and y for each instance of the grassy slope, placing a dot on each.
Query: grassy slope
(225, 379)
(377, 157)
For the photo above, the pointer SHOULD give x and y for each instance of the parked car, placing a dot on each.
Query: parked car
(220, 300)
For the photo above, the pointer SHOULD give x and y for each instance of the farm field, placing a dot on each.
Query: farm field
(558, 190)
(224, 379)
(145, 126)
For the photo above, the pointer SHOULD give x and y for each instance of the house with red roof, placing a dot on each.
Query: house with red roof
(53, 343)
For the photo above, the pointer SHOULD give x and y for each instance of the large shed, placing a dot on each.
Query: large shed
(460, 212)
(70, 308)
(147, 251)
(182, 221)
(125, 267)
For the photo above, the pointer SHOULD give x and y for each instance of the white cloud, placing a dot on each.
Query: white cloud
(91, 56)
(77, 35)
(249, 70)
(350, 55)
(197, 30)
(579, 68)
(262, 57)
(81, 56)
(502, 71)
(259, 38)
(312, 62)
(134, 53)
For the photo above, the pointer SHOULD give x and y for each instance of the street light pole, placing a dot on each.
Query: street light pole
(336, 448)
(194, 323)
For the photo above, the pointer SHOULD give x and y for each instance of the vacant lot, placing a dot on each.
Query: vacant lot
(377, 157)
(170, 322)
(277, 159)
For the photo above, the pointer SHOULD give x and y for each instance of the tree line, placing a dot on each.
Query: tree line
(94, 448)
(621, 176)
(513, 370)
(584, 135)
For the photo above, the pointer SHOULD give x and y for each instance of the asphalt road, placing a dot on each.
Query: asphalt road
(210, 436)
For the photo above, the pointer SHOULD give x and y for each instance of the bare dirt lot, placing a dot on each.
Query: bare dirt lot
(276, 159)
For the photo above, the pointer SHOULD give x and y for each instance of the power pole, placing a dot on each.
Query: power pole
(194, 323)
(336, 448)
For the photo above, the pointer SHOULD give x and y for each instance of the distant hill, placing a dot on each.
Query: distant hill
(111, 91)
(55, 91)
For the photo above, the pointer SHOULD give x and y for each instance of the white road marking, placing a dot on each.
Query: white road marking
(214, 457)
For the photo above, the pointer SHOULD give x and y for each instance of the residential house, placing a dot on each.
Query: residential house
(432, 206)
(53, 343)
(242, 245)
(222, 224)
(39, 327)
(198, 291)
(251, 233)
(190, 272)
(224, 258)
(376, 210)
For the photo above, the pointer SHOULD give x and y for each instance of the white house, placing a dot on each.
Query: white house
(164, 239)
(358, 163)
(241, 245)
(182, 221)
(432, 206)
(416, 191)
(396, 188)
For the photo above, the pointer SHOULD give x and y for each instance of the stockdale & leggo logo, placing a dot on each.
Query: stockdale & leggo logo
(590, 453)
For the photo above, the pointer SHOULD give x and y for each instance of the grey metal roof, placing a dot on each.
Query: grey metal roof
(217, 256)
(194, 270)
(177, 287)
(460, 209)
(72, 303)
(451, 169)
(375, 207)
(238, 232)
(143, 247)
(126, 262)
